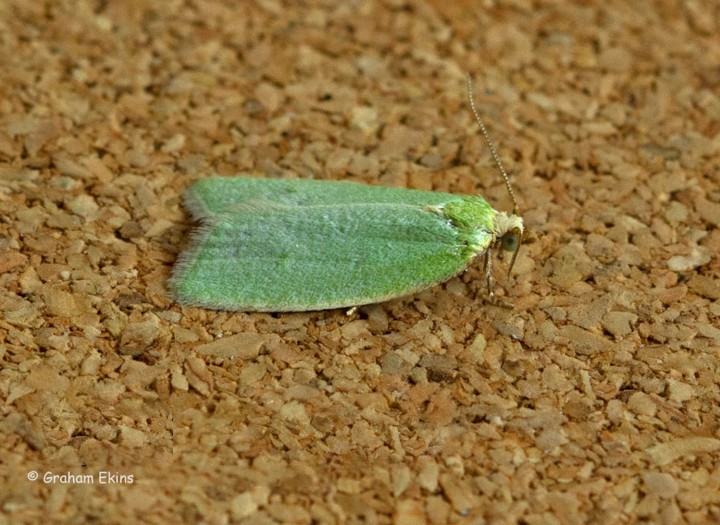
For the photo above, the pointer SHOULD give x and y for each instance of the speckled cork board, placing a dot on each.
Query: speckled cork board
(595, 399)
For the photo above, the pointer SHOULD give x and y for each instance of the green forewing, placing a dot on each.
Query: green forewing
(283, 245)
(212, 196)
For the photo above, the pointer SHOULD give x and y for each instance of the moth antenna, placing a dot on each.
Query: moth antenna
(490, 144)
(498, 163)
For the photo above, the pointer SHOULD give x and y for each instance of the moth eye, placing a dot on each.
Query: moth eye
(509, 242)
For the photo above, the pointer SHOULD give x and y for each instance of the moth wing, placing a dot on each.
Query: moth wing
(217, 195)
(286, 258)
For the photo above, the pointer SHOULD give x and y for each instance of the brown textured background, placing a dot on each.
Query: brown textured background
(595, 399)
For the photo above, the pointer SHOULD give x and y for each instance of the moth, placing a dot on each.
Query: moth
(280, 245)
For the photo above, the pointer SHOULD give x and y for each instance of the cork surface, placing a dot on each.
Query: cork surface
(594, 399)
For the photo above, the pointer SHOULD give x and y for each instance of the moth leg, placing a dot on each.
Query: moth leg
(490, 281)
(487, 267)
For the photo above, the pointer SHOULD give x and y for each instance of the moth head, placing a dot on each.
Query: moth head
(510, 242)
(509, 231)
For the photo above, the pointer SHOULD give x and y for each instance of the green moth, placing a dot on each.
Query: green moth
(280, 245)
